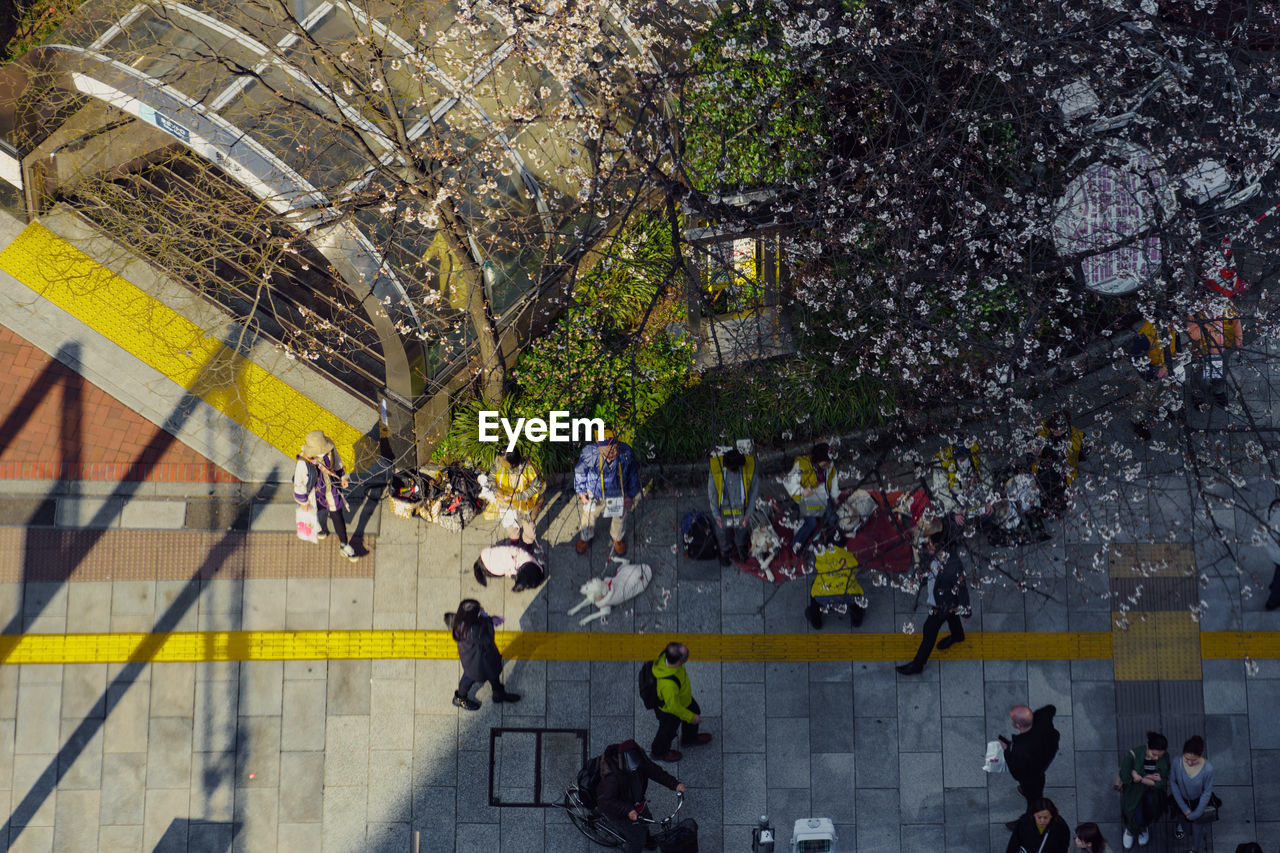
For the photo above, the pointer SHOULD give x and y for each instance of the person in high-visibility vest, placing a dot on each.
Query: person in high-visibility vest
(1215, 332)
(732, 490)
(813, 485)
(517, 490)
(1151, 352)
(1057, 460)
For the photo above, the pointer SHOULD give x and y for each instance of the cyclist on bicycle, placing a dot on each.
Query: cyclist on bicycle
(625, 772)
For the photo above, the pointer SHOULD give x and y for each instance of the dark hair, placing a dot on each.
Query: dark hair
(1139, 346)
(1155, 740)
(821, 453)
(1061, 419)
(530, 575)
(1249, 847)
(1194, 745)
(734, 460)
(514, 457)
(480, 573)
(1043, 804)
(1091, 835)
(465, 617)
(676, 653)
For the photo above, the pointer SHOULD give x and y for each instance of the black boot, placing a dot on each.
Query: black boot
(912, 668)
(813, 614)
(506, 695)
(856, 614)
(465, 702)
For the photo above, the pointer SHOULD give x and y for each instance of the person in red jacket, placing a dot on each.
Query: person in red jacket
(625, 772)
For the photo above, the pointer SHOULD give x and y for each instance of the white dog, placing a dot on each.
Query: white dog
(765, 545)
(629, 581)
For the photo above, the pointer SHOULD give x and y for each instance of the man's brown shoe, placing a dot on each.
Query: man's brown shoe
(702, 739)
(619, 547)
(670, 755)
(582, 546)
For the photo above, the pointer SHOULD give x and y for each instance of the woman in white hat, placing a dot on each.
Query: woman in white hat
(318, 477)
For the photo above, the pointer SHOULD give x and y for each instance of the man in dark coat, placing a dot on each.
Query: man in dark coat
(948, 597)
(1032, 749)
(472, 630)
(625, 772)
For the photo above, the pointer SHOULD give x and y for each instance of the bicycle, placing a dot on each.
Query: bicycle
(595, 826)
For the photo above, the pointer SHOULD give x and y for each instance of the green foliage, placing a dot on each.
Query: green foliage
(616, 354)
(36, 21)
(753, 114)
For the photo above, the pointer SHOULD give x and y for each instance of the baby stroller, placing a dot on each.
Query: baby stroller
(835, 587)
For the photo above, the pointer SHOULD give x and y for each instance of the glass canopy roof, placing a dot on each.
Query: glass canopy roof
(332, 114)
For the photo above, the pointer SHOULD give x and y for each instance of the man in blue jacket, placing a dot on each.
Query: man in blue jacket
(607, 480)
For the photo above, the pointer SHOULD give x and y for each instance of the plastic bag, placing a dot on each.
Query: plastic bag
(308, 523)
(995, 758)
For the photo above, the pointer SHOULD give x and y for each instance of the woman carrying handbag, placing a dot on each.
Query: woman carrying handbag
(317, 480)
(1191, 783)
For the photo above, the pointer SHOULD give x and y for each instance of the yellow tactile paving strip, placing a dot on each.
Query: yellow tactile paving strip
(380, 644)
(1153, 645)
(166, 341)
(206, 646)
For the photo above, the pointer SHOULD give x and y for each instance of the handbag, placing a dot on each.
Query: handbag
(1210, 813)
(308, 523)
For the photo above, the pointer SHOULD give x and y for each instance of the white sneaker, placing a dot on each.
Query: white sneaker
(1128, 840)
(348, 552)
(1144, 838)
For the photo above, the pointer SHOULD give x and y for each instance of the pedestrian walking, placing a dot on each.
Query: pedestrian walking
(1192, 785)
(732, 490)
(1089, 839)
(1040, 830)
(1271, 547)
(677, 708)
(607, 480)
(1143, 781)
(517, 486)
(625, 772)
(318, 478)
(948, 596)
(472, 630)
(812, 483)
(1031, 750)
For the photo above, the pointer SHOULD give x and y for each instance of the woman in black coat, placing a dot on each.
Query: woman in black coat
(1040, 830)
(473, 631)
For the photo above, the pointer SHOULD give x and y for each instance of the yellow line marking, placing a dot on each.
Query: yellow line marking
(438, 645)
(168, 342)
(203, 646)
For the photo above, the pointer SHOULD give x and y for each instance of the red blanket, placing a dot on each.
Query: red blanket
(882, 543)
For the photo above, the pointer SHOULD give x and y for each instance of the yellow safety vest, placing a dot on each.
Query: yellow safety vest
(946, 458)
(1076, 441)
(717, 477)
(510, 481)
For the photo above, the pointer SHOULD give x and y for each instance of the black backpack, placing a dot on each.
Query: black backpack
(699, 536)
(648, 684)
(588, 781)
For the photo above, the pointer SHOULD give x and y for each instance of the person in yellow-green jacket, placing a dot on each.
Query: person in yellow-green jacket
(677, 708)
(732, 491)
